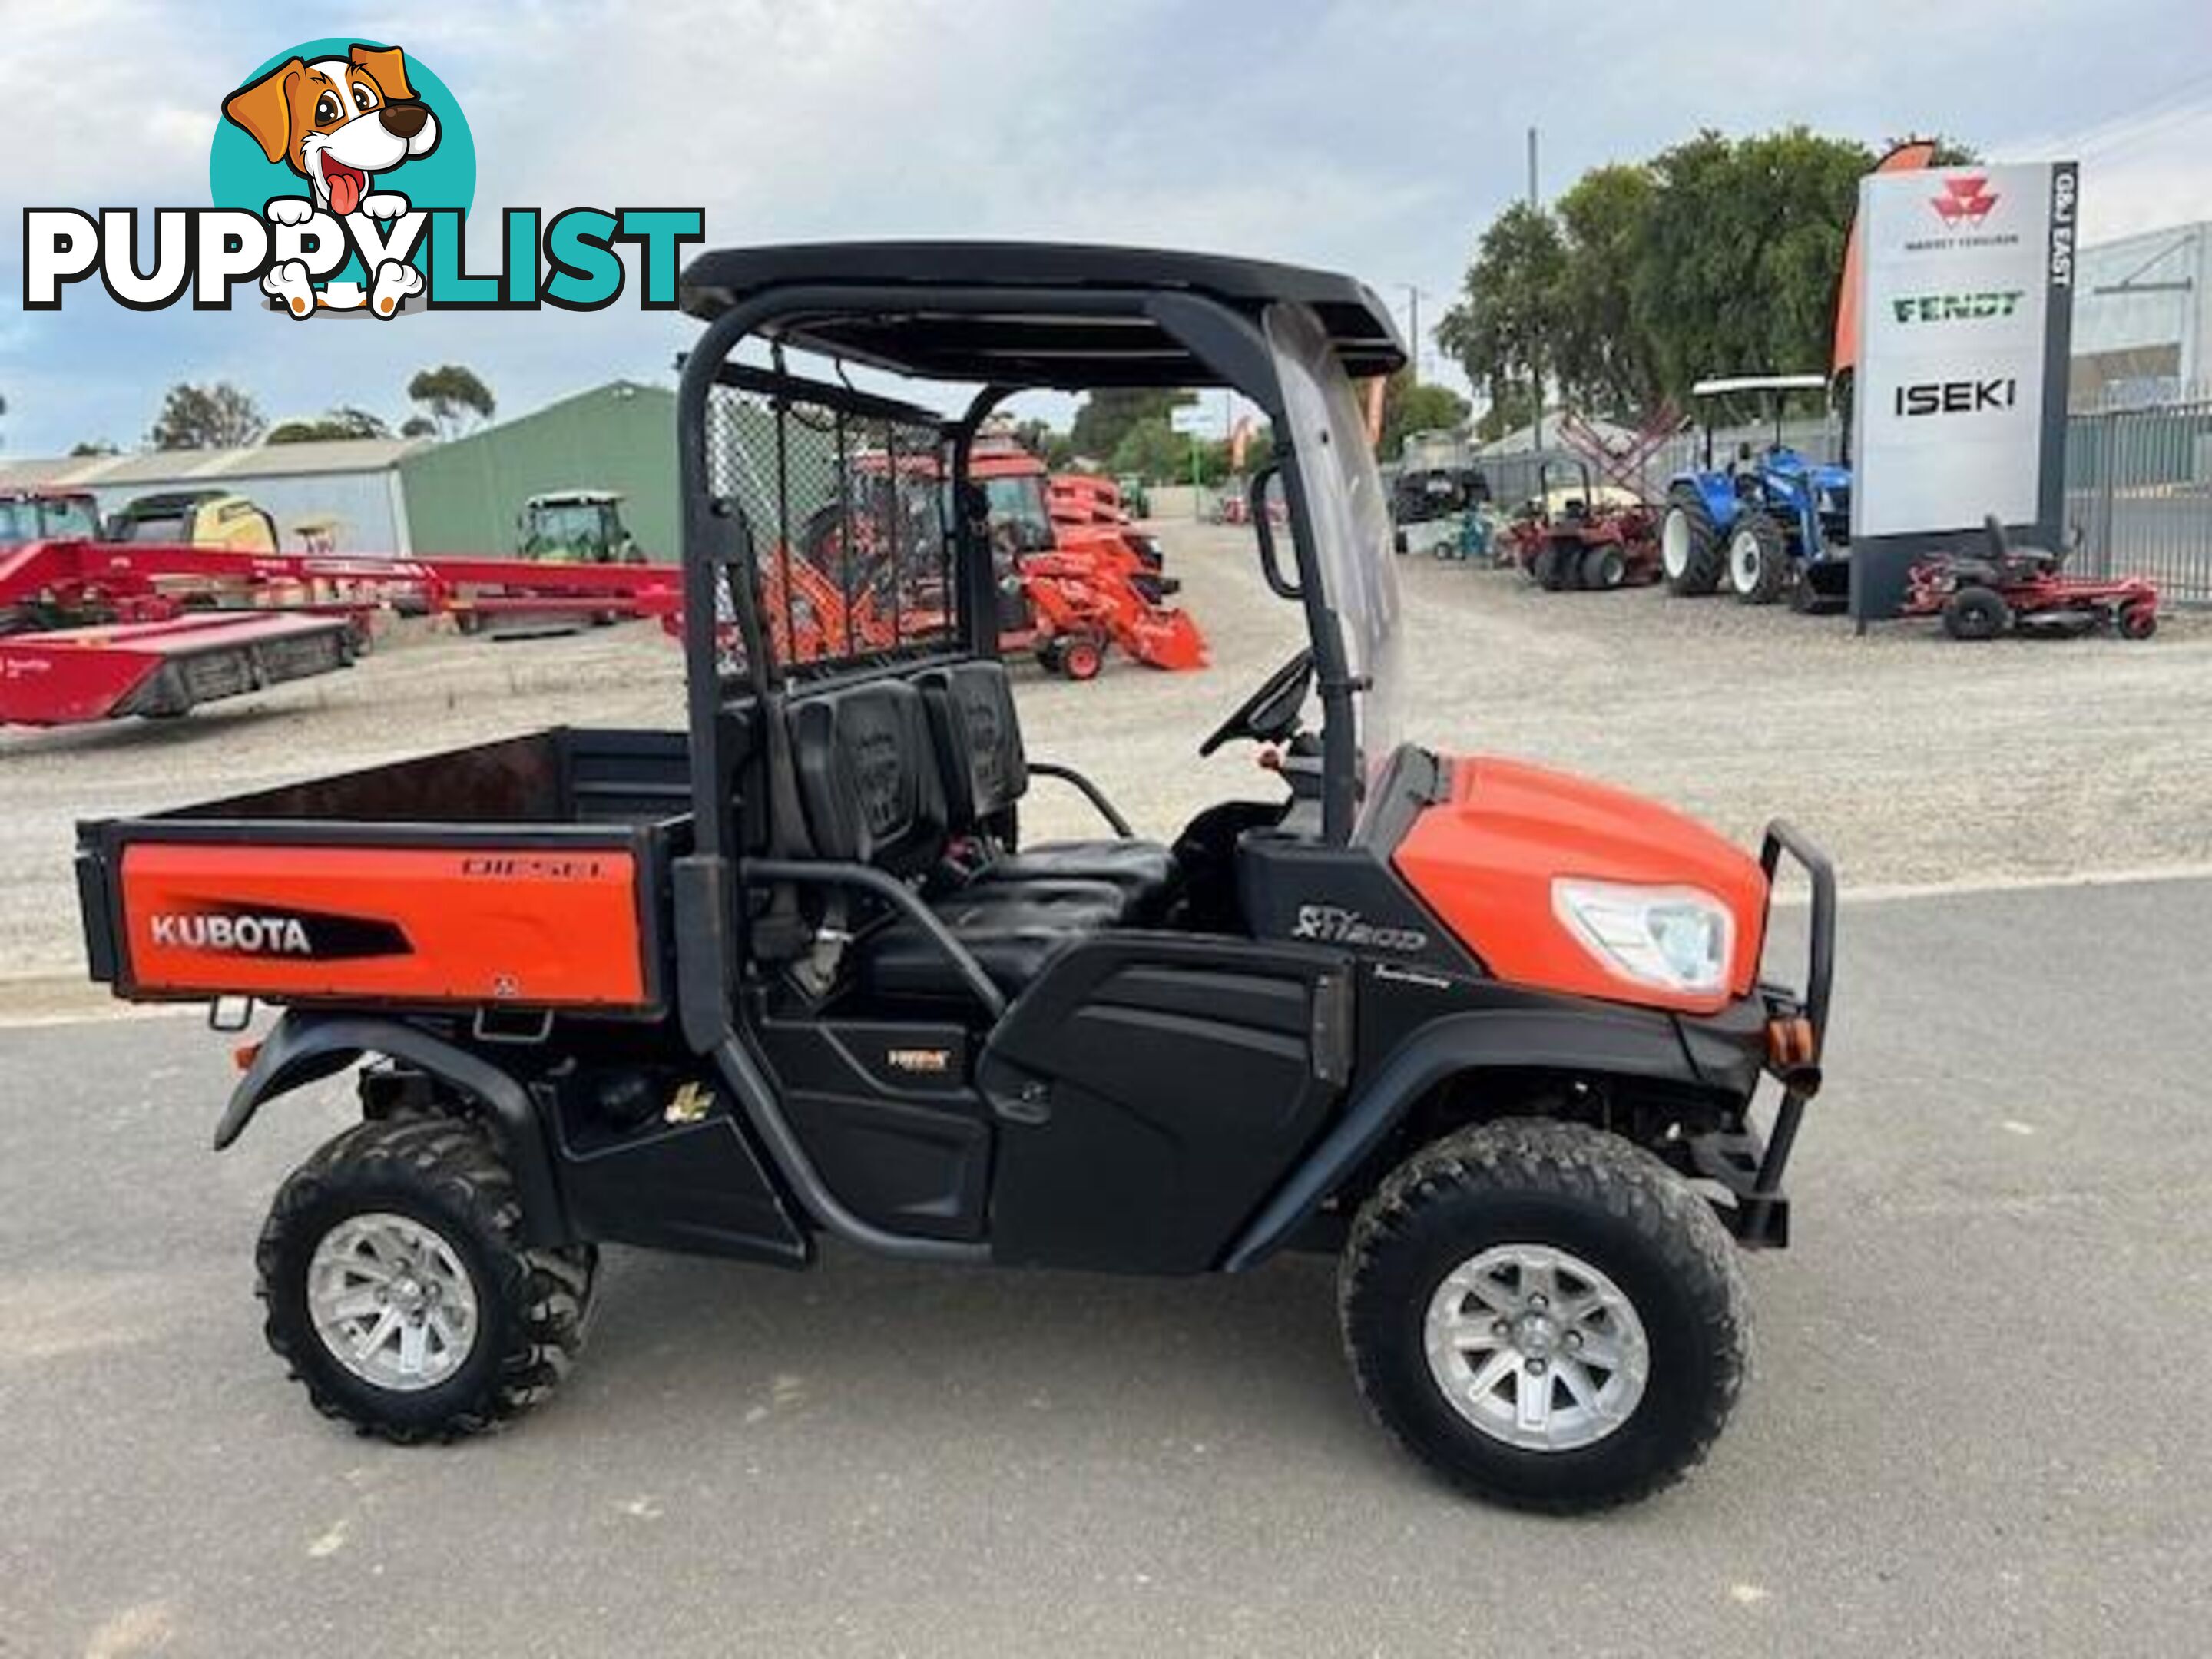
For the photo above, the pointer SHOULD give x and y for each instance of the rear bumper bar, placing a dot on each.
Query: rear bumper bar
(1797, 1028)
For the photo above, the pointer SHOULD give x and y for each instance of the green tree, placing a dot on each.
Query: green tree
(1030, 433)
(1506, 328)
(1603, 360)
(94, 446)
(1106, 416)
(1738, 266)
(418, 426)
(1511, 409)
(1154, 451)
(218, 416)
(448, 394)
(1408, 406)
(339, 424)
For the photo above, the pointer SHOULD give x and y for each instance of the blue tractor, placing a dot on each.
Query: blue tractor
(1768, 525)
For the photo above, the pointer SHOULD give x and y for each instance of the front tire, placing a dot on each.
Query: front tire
(398, 1290)
(1546, 1316)
(1689, 544)
(1758, 559)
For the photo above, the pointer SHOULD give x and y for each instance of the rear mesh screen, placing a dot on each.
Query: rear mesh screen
(852, 543)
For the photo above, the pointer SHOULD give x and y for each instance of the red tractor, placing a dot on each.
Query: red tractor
(1982, 595)
(1573, 534)
(1074, 577)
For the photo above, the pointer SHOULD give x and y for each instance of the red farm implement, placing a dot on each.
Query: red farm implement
(97, 630)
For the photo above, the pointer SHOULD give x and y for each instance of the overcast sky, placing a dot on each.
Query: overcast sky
(1374, 138)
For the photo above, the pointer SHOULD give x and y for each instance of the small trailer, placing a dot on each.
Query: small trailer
(101, 630)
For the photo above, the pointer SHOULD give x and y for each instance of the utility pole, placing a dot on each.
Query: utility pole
(1413, 327)
(1536, 370)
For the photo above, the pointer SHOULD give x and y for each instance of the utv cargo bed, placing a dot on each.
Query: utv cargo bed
(526, 874)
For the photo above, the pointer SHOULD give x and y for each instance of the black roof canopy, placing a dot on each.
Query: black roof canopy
(1060, 342)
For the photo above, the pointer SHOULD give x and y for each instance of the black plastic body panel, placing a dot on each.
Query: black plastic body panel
(1419, 1030)
(884, 1111)
(1297, 888)
(1151, 1091)
(699, 1187)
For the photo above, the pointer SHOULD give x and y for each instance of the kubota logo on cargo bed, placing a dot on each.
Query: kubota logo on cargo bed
(276, 933)
(256, 936)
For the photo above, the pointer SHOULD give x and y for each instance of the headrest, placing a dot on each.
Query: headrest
(978, 736)
(867, 775)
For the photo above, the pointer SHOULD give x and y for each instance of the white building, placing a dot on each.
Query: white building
(2143, 318)
(351, 485)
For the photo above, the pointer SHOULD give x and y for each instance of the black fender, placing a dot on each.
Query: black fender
(1593, 1038)
(304, 1048)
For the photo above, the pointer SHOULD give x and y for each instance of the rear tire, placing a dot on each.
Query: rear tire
(1689, 544)
(1604, 570)
(1976, 613)
(1639, 1271)
(1545, 568)
(1758, 559)
(390, 1213)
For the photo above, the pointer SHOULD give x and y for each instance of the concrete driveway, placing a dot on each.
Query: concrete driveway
(1973, 1429)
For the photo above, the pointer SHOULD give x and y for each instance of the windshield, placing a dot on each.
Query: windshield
(55, 518)
(19, 522)
(578, 529)
(1351, 520)
(1017, 512)
(162, 527)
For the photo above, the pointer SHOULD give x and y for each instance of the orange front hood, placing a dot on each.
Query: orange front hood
(1484, 860)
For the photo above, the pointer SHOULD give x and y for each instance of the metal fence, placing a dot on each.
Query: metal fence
(2138, 485)
(2139, 494)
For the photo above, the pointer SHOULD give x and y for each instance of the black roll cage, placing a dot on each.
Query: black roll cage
(716, 534)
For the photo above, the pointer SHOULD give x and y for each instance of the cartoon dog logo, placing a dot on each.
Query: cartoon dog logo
(338, 123)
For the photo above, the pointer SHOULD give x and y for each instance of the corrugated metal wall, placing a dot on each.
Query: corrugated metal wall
(362, 502)
(464, 496)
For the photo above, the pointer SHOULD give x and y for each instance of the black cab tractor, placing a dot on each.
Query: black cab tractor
(1501, 1042)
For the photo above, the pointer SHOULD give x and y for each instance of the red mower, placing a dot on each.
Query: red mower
(1573, 534)
(1981, 596)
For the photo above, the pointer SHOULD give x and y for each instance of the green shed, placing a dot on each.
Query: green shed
(464, 496)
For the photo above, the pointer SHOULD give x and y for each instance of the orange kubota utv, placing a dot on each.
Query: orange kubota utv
(1494, 1038)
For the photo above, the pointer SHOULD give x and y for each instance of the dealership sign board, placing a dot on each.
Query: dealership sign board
(1966, 311)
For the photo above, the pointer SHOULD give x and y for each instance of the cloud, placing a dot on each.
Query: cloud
(1374, 139)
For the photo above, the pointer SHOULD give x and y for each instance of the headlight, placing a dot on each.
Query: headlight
(1676, 938)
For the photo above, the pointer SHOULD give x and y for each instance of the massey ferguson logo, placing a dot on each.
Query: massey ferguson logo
(1965, 202)
(1963, 209)
(1957, 397)
(248, 936)
(1328, 925)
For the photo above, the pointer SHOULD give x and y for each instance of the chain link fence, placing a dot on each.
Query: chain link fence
(850, 525)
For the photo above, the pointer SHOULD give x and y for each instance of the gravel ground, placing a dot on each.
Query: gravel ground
(1916, 761)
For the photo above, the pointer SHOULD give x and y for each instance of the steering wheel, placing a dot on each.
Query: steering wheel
(1270, 714)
